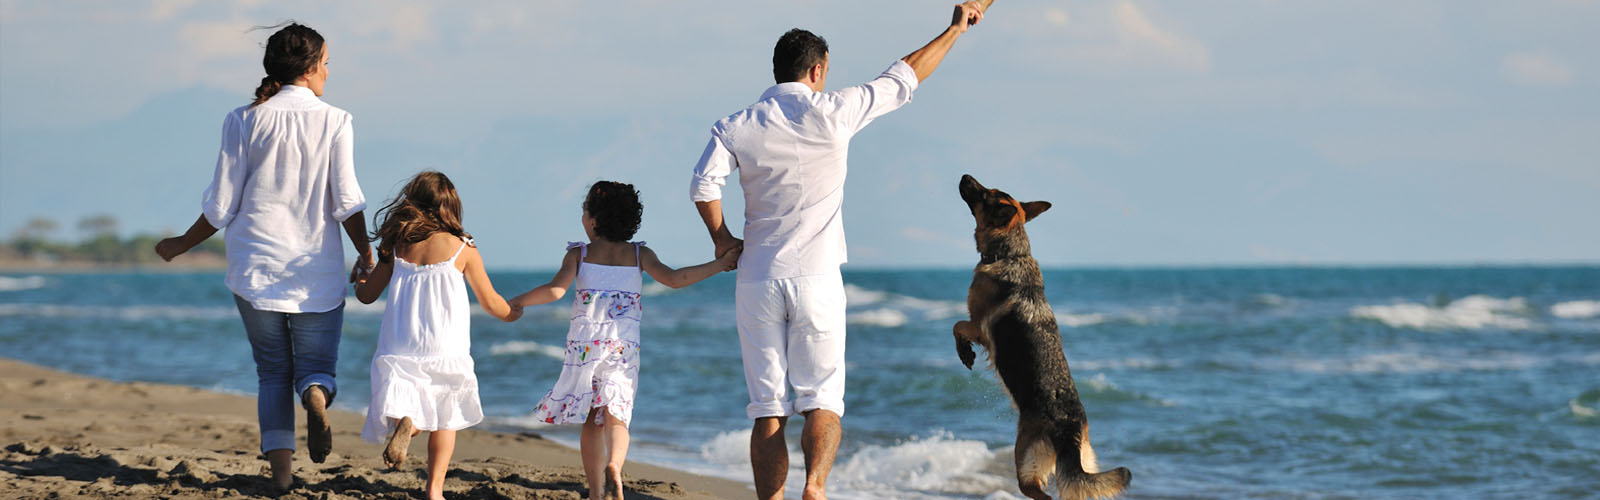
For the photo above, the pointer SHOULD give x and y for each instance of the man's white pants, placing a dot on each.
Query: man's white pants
(791, 333)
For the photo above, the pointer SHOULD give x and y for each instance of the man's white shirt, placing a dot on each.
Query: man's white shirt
(790, 148)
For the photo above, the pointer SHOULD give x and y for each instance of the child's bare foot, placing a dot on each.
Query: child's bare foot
(319, 435)
(394, 454)
(613, 483)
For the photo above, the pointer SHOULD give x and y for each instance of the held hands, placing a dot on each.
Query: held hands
(968, 14)
(728, 250)
(729, 260)
(363, 267)
(729, 245)
(515, 314)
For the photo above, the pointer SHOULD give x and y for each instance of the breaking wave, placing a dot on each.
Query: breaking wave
(10, 284)
(1467, 313)
(1577, 309)
(516, 347)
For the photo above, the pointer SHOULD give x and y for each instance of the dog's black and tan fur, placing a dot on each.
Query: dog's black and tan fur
(1012, 321)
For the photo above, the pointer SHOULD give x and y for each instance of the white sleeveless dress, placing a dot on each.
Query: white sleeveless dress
(423, 366)
(601, 365)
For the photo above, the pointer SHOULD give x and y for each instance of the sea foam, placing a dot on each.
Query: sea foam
(516, 347)
(879, 308)
(10, 284)
(1577, 309)
(124, 313)
(936, 466)
(1468, 313)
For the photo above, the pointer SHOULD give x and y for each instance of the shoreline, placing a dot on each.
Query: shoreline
(75, 436)
(184, 263)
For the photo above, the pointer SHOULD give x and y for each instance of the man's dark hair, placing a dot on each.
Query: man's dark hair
(797, 51)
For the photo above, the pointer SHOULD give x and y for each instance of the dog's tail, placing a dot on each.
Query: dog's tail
(1081, 479)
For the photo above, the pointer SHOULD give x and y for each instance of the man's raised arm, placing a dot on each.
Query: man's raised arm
(925, 59)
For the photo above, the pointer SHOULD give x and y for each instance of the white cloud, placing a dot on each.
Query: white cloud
(215, 53)
(405, 24)
(1143, 35)
(1536, 69)
(1119, 34)
(1057, 17)
(211, 40)
(162, 10)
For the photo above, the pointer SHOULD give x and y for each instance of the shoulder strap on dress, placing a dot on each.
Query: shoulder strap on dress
(583, 252)
(465, 241)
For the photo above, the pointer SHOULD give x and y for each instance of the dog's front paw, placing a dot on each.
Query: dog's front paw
(964, 350)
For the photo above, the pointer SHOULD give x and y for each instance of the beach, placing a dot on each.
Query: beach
(71, 436)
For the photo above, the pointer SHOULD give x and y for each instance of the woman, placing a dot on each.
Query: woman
(284, 182)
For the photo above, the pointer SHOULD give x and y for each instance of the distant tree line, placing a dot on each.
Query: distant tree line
(99, 244)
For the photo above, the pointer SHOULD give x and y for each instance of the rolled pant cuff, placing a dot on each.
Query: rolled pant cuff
(326, 381)
(277, 440)
(769, 409)
(837, 407)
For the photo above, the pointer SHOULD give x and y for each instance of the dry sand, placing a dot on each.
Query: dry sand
(69, 436)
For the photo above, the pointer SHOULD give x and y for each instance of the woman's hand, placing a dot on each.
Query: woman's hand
(170, 247)
(363, 267)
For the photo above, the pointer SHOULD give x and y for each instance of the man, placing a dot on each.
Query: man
(790, 148)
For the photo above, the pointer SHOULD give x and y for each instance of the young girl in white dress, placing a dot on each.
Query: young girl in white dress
(422, 378)
(600, 372)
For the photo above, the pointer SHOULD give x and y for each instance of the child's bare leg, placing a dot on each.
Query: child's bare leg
(440, 445)
(591, 443)
(617, 448)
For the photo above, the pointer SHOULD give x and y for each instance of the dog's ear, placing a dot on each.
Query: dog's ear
(1034, 208)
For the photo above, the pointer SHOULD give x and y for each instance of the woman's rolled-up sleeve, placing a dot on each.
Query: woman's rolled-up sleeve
(220, 202)
(342, 185)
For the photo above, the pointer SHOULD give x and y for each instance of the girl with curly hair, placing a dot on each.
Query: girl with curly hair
(601, 369)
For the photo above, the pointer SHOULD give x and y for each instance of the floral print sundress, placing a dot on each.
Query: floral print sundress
(601, 365)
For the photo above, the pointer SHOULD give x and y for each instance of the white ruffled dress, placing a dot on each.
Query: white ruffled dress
(601, 365)
(423, 367)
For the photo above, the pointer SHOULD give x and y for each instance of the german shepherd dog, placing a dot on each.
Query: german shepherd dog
(1012, 321)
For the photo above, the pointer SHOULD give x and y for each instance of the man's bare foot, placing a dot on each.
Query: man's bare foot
(319, 435)
(613, 483)
(394, 453)
(810, 494)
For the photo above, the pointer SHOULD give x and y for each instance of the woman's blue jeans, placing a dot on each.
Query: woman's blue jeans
(293, 351)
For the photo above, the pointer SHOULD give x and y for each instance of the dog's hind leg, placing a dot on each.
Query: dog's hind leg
(1036, 461)
(966, 333)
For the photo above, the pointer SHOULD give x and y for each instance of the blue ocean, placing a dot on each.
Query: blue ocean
(1460, 382)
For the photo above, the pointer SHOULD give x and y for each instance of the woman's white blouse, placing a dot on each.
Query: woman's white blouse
(285, 179)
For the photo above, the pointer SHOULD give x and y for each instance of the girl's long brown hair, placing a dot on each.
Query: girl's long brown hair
(428, 204)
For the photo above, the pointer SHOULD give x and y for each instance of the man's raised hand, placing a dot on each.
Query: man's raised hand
(968, 14)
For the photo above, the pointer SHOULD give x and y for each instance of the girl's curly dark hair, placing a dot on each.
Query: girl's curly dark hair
(615, 208)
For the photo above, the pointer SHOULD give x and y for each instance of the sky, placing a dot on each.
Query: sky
(1248, 132)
